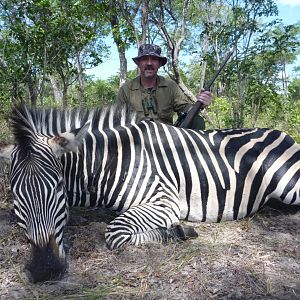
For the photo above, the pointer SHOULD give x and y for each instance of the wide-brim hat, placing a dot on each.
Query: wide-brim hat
(150, 50)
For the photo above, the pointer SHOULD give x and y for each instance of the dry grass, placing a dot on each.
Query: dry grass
(257, 258)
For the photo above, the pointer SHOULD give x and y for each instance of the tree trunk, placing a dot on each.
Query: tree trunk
(32, 88)
(204, 64)
(64, 97)
(144, 22)
(123, 65)
(114, 22)
(57, 92)
(284, 79)
(65, 89)
(129, 15)
(80, 80)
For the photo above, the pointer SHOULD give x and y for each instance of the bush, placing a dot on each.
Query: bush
(282, 114)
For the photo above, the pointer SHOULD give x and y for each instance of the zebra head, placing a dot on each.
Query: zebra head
(37, 184)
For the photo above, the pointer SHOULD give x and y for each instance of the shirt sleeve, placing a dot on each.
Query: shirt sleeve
(122, 96)
(181, 103)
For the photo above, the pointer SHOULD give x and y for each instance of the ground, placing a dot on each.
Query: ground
(256, 258)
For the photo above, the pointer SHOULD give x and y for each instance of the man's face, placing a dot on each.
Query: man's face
(149, 66)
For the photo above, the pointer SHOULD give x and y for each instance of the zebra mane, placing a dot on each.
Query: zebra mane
(27, 122)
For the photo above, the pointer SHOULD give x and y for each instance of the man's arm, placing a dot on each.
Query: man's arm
(181, 104)
(203, 99)
(122, 97)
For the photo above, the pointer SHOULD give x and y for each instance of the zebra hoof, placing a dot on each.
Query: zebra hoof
(177, 232)
(183, 232)
(190, 232)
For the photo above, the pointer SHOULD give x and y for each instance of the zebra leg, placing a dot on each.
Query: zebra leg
(146, 223)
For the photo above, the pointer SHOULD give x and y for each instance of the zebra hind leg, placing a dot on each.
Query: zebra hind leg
(175, 233)
(147, 223)
(179, 232)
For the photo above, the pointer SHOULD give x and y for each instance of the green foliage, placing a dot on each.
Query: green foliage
(294, 89)
(100, 92)
(279, 113)
(220, 113)
(5, 133)
(131, 74)
(291, 117)
(44, 38)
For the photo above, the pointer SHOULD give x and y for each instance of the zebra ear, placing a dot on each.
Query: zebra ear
(68, 141)
(5, 150)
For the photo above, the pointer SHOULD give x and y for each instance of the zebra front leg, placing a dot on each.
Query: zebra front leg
(146, 223)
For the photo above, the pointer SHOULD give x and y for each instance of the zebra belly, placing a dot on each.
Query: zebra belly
(196, 212)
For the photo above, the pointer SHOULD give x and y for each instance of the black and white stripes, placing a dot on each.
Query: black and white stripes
(207, 176)
(151, 174)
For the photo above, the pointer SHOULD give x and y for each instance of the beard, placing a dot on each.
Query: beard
(149, 72)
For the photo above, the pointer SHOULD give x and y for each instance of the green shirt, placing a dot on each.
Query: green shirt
(158, 103)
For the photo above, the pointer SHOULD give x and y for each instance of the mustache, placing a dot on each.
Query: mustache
(149, 68)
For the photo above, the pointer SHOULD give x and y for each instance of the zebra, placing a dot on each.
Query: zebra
(151, 174)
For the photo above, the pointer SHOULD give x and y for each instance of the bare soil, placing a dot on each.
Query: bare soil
(256, 258)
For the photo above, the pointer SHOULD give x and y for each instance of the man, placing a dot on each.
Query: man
(154, 96)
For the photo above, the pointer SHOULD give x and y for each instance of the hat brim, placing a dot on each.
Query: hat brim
(162, 59)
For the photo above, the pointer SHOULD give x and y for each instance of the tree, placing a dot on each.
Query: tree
(49, 39)
(121, 17)
(172, 24)
(126, 17)
(294, 90)
(250, 80)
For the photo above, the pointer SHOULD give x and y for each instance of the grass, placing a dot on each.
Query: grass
(255, 258)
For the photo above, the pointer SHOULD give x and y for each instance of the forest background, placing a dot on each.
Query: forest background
(49, 47)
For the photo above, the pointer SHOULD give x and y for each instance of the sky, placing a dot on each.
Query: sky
(289, 12)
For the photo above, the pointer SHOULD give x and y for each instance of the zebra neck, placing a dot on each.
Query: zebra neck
(88, 172)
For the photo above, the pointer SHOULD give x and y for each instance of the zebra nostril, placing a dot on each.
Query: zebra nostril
(42, 274)
(45, 265)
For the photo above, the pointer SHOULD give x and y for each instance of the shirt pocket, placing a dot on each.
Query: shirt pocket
(165, 109)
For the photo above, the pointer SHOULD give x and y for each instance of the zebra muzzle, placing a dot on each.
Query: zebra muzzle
(45, 264)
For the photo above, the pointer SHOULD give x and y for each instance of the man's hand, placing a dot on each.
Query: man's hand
(204, 97)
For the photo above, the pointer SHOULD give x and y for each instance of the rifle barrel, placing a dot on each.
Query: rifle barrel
(198, 105)
(212, 80)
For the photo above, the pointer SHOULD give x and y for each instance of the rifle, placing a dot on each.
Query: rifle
(185, 119)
